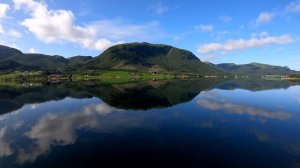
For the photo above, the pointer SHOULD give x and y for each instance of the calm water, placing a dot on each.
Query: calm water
(191, 123)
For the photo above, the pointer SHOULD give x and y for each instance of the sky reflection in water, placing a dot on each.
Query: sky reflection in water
(221, 126)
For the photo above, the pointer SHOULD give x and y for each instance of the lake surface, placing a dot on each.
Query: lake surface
(179, 123)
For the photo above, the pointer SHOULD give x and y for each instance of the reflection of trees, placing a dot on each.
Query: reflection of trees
(12, 99)
(142, 95)
(255, 84)
(152, 94)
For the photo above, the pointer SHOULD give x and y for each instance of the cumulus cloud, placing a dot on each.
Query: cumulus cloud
(32, 50)
(263, 17)
(58, 26)
(12, 45)
(3, 11)
(232, 45)
(205, 28)
(293, 7)
(55, 26)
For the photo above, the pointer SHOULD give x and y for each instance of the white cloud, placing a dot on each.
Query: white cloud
(225, 19)
(205, 28)
(159, 9)
(293, 7)
(32, 50)
(55, 26)
(3, 11)
(208, 58)
(264, 17)
(14, 33)
(52, 26)
(232, 45)
(12, 45)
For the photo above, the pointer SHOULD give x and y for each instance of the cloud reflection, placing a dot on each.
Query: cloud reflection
(5, 148)
(59, 130)
(56, 129)
(221, 103)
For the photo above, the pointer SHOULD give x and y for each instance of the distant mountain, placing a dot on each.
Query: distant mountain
(151, 57)
(45, 62)
(10, 58)
(133, 56)
(254, 69)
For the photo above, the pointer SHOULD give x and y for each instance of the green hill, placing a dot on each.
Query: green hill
(254, 69)
(6, 52)
(150, 57)
(132, 56)
(9, 65)
(45, 62)
(12, 59)
(78, 60)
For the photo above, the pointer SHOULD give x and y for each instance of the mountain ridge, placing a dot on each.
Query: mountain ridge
(132, 56)
(254, 69)
(151, 57)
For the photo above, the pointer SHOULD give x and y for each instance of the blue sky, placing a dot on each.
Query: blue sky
(235, 31)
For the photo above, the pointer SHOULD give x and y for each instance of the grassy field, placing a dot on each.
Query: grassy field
(108, 76)
(19, 75)
(123, 76)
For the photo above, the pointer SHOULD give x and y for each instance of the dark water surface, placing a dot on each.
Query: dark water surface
(187, 123)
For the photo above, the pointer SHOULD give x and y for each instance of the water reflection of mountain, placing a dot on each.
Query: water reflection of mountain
(255, 84)
(14, 98)
(153, 94)
(143, 95)
(138, 96)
